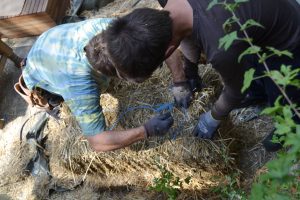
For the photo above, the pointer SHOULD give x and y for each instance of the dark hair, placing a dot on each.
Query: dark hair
(98, 57)
(138, 41)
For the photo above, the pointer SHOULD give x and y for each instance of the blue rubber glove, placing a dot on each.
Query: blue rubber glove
(159, 125)
(206, 126)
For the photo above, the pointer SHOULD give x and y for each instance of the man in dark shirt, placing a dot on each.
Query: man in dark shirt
(197, 30)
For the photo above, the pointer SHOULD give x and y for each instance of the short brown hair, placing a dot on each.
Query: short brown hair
(138, 41)
(98, 57)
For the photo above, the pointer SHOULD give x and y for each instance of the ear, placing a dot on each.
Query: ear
(170, 50)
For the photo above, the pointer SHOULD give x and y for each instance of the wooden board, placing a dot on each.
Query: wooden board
(36, 17)
(2, 63)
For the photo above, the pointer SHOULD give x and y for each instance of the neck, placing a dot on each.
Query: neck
(181, 14)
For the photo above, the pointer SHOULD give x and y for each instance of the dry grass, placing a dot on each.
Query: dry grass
(119, 8)
(183, 154)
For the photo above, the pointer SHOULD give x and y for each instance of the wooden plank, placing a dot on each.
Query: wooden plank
(2, 63)
(36, 22)
(45, 5)
(5, 50)
(28, 25)
(28, 32)
(23, 19)
(57, 9)
(26, 8)
(38, 29)
(35, 7)
(51, 8)
(41, 6)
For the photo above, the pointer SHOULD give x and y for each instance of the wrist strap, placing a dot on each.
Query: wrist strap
(180, 83)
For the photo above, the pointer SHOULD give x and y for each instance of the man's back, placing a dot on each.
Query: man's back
(57, 63)
(57, 59)
(280, 18)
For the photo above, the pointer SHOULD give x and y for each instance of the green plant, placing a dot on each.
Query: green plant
(168, 183)
(281, 181)
(229, 188)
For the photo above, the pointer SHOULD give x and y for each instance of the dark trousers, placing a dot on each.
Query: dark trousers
(265, 87)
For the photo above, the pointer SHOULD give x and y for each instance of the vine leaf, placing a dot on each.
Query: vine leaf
(227, 40)
(251, 50)
(248, 78)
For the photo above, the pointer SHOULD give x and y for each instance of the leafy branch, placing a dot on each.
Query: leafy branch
(167, 183)
(281, 181)
(228, 39)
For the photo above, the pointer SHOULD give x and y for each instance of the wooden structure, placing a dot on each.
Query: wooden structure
(36, 17)
(7, 52)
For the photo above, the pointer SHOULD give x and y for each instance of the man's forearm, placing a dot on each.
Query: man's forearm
(175, 64)
(111, 140)
(228, 100)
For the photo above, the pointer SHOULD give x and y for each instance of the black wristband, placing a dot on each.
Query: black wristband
(180, 83)
(190, 69)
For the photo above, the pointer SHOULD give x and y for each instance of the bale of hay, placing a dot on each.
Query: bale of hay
(15, 179)
(119, 8)
(137, 165)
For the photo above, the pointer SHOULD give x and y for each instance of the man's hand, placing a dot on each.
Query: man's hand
(159, 125)
(182, 94)
(206, 126)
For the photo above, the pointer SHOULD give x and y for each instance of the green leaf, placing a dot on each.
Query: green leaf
(251, 50)
(279, 52)
(282, 128)
(227, 40)
(249, 23)
(277, 102)
(257, 191)
(212, 4)
(278, 77)
(248, 77)
(295, 83)
(231, 6)
(228, 24)
(270, 110)
(263, 58)
(287, 112)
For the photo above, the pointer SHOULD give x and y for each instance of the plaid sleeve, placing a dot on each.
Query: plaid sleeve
(88, 114)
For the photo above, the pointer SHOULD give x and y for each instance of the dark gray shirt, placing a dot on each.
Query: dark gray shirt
(281, 21)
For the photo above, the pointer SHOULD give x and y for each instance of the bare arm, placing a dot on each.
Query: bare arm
(184, 69)
(111, 140)
(175, 64)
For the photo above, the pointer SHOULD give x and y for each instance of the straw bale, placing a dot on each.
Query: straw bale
(179, 150)
(31, 188)
(119, 7)
(83, 193)
(15, 181)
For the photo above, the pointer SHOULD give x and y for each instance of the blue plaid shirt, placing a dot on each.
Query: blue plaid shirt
(57, 63)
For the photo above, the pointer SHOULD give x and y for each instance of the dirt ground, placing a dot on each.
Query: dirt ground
(244, 136)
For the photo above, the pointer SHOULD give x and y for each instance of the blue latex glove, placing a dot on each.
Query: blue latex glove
(206, 126)
(159, 125)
